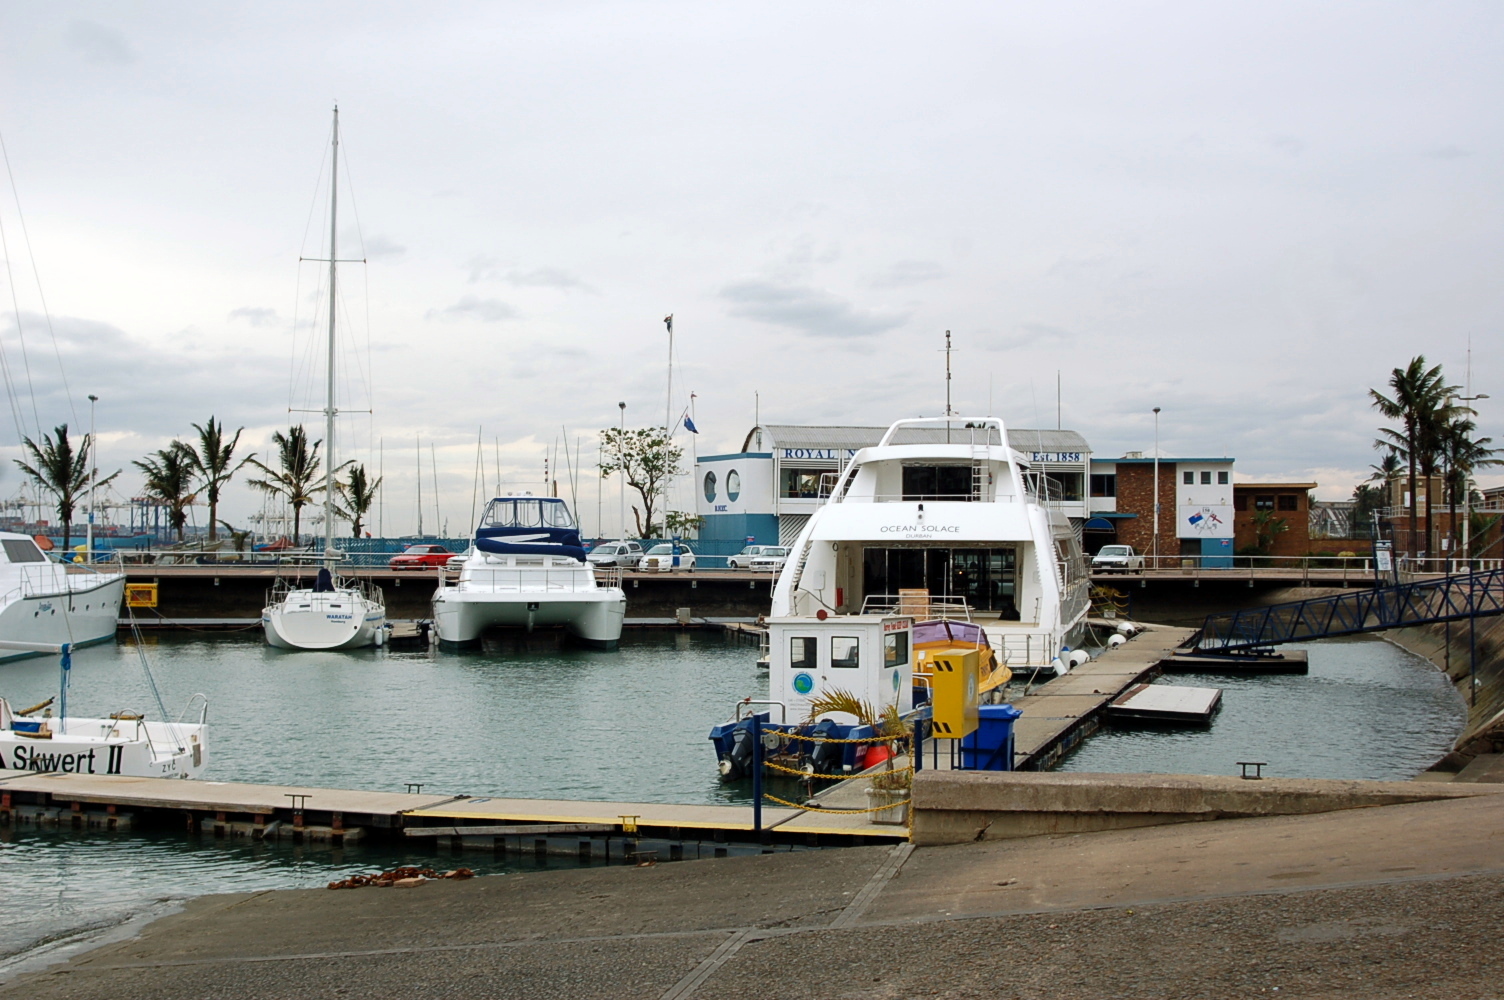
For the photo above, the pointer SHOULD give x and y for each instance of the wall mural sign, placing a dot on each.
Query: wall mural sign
(1209, 521)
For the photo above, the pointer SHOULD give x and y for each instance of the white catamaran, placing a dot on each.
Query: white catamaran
(333, 613)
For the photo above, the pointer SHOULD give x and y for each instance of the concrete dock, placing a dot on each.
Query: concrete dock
(1373, 903)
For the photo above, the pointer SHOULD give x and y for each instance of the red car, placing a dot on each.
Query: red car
(421, 557)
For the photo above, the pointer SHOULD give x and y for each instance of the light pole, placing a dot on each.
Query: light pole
(93, 475)
(622, 472)
(1155, 546)
(1467, 498)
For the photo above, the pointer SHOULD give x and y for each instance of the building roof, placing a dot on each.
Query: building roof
(1163, 460)
(845, 436)
(1275, 486)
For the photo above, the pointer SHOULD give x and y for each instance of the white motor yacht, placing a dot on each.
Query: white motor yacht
(51, 603)
(943, 519)
(527, 569)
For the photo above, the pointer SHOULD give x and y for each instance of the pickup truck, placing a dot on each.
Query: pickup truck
(1117, 559)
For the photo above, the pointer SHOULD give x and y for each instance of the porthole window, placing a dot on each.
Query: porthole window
(733, 485)
(710, 486)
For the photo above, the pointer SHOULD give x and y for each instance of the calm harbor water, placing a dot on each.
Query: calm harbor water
(627, 725)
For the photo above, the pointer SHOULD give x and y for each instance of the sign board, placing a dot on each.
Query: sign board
(141, 595)
(1059, 457)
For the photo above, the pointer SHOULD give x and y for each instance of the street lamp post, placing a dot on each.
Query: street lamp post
(93, 475)
(1155, 546)
(1467, 499)
(622, 472)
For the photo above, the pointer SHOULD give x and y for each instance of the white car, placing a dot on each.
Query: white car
(1117, 559)
(771, 560)
(667, 557)
(622, 553)
(743, 559)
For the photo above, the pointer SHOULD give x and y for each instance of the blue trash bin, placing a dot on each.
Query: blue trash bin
(990, 747)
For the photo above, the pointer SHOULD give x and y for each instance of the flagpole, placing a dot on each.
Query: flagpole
(668, 403)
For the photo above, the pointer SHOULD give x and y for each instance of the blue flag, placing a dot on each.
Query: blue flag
(689, 425)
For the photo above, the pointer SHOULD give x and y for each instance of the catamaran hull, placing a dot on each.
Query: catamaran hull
(81, 617)
(323, 627)
(594, 618)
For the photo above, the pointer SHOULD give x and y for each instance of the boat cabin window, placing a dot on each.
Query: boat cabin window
(895, 649)
(802, 652)
(937, 482)
(22, 550)
(845, 651)
(526, 512)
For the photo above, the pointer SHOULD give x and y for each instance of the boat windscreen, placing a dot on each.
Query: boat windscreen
(946, 630)
(527, 512)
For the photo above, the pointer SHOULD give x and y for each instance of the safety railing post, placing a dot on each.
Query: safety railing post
(757, 776)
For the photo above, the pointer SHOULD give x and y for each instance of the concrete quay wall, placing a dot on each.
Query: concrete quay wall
(956, 807)
(1474, 660)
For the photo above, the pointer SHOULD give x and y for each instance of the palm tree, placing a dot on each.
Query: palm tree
(297, 480)
(1421, 406)
(358, 496)
(214, 462)
(169, 481)
(61, 471)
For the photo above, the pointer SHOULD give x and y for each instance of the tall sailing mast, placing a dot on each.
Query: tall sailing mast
(329, 409)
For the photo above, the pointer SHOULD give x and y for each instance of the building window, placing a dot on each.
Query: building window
(1222, 478)
(1206, 479)
(802, 484)
(1190, 479)
(1240, 501)
(733, 485)
(1289, 501)
(1264, 502)
(710, 487)
(1104, 485)
(1063, 486)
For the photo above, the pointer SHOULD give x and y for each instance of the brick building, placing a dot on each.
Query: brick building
(1195, 506)
(1288, 503)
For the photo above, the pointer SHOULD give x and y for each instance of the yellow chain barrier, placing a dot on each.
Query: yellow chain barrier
(832, 739)
(834, 812)
(828, 777)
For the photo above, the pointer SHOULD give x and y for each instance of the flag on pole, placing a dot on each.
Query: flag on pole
(668, 321)
(689, 425)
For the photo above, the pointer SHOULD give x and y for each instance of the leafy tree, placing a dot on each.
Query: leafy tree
(169, 481)
(649, 459)
(677, 522)
(214, 462)
(1420, 404)
(1266, 528)
(237, 538)
(60, 470)
(297, 478)
(358, 496)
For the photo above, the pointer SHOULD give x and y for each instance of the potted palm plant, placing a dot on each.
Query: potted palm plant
(888, 786)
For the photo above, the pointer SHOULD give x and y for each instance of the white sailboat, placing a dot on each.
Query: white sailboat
(333, 613)
(42, 601)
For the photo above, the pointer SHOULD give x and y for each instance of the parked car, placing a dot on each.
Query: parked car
(667, 557)
(625, 554)
(743, 559)
(771, 559)
(421, 557)
(1117, 559)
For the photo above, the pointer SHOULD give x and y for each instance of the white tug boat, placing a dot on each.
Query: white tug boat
(527, 569)
(942, 519)
(51, 603)
(332, 614)
(126, 743)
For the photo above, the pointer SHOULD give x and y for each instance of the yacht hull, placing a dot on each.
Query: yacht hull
(593, 617)
(80, 616)
(126, 747)
(312, 620)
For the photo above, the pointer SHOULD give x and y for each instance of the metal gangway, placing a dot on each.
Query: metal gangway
(1252, 631)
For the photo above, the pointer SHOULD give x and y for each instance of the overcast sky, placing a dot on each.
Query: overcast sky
(1244, 214)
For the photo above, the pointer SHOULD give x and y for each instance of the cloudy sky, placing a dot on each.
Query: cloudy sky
(1246, 214)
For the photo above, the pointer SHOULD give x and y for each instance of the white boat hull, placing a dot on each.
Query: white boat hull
(594, 617)
(339, 619)
(87, 613)
(133, 748)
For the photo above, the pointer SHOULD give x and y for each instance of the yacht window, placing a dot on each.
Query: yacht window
(895, 649)
(527, 512)
(22, 550)
(937, 482)
(802, 652)
(845, 651)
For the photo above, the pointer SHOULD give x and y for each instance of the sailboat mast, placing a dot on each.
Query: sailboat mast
(329, 387)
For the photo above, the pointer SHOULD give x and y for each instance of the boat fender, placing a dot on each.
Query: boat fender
(1078, 658)
(380, 637)
(1116, 639)
(1128, 629)
(1060, 668)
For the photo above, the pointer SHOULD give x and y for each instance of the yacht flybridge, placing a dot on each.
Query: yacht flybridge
(333, 613)
(943, 519)
(527, 569)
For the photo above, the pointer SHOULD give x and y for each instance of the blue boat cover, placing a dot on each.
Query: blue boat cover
(531, 542)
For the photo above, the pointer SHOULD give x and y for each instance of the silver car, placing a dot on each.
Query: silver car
(743, 559)
(623, 553)
(771, 559)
